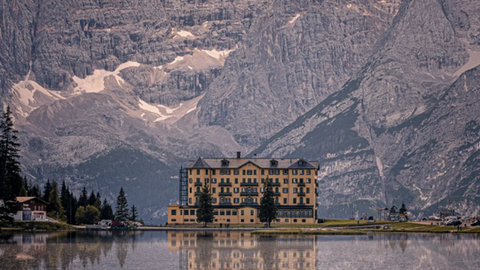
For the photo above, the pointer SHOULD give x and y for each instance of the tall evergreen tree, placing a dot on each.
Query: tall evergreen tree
(56, 208)
(205, 207)
(133, 213)
(121, 210)
(106, 211)
(92, 199)
(35, 191)
(98, 201)
(64, 195)
(47, 188)
(72, 209)
(10, 179)
(82, 200)
(268, 209)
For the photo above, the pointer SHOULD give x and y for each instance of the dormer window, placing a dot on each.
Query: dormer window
(302, 162)
(225, 162)
(273, 162)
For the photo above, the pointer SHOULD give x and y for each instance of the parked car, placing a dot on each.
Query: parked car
(475, 223)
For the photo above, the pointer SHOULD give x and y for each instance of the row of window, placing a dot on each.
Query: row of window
(252, 180)
(254, 190)
(254, 172)
(249, 200)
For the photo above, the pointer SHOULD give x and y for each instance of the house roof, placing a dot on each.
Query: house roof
(26, 199)
(263, 163)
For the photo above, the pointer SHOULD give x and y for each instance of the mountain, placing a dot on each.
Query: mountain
(404, 128)
(110, 93)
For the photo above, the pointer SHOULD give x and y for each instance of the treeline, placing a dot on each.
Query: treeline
(62, 204)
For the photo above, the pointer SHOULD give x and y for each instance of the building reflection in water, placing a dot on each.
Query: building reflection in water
(241, 250)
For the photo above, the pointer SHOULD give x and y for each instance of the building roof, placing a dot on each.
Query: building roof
(263, 163)
(26, 199)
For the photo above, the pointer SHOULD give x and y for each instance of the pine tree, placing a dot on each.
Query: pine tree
(106, 211)
(73, 206)
(205, 207)
(98, 201)
(46, 192)
(10, 179)
(82, 200)
(91, 199)
(121, 210)
(268, 209)
(403, 211)
(133, 213)
(56, 208)
(64, 195)
(35, 192)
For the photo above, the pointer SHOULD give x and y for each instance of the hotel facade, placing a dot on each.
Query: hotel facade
(237, 184)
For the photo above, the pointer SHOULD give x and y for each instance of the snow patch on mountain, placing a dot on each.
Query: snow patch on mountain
(29, 95)
(96, 82)
(167, 115)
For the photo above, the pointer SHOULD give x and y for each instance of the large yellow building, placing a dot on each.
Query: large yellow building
(236, 185)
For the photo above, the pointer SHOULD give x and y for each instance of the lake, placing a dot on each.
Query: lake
(236, 250)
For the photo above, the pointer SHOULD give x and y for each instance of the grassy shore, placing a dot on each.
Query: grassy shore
(38, 226)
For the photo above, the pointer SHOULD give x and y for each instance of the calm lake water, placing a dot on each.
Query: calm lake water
(236, 250)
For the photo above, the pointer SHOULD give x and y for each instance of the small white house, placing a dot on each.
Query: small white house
(30, 209)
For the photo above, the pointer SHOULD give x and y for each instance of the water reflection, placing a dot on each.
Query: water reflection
(242, 250)
(236, 250)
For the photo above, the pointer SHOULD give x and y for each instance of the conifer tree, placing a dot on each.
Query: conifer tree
(82, 200)
(98, 201)
(56, 208)
(47, 188)
(205, 207)
(268, 209)
(64, 195)
(121, 210)
(133, 213)
(91, 199)
(106, 212)
(10, 179)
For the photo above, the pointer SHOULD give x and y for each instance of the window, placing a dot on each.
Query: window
(215, 212)
(190, 180)
(301, 172)
(229, 212)
(222, 212)
(285, 172)
(243, 172)
(214, 190)
(234, 212)
(192, 212)
(235, 190)
(236, 180)
(308, 190)
(190, 190)
(236, 172)
(294, 200)
(263, 180)
(308, 200)
(206, 180)
(198, 180)
(198, 171)
(224, 172)
(214, 200)
(189, 200)
(249, 172)
(309, 180)
(294, 180)
(254, 172)
(263, 172)
(174, 220)
(285, 190)
(185, 212)
(252, 213)
(262, 190)
(308, 172)
(174, 212)
(236, 200)
(284, 200)
(285, 180)
(295, 190)
(214, 180)
(303, 220)
(242, 213)
(294, 172)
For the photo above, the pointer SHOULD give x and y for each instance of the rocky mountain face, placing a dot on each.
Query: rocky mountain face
(110, 93)
(403, 129)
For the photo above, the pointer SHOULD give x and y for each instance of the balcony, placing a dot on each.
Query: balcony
(225, 204)
(276, 194)
(249, 204)
(249, 184)
(198, 184)
(301, 184)
(248, 193)
(198, 193)
(225, 184)
(225, 194)
(275, 184)
(301, 194)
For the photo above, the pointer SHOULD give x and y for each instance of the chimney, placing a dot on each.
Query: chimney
(239, 154)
